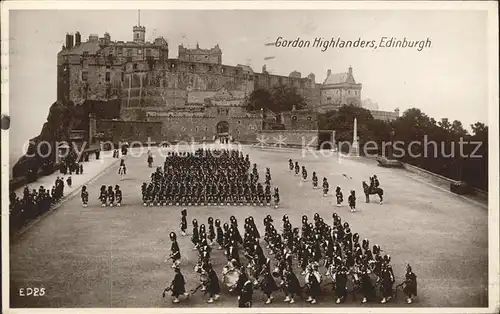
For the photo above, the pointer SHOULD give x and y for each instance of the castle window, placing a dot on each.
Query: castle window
(239, 122)
(148, 52)
(294, 118)
(120, 51)
(210, 68)
(85, 75)
(108, 76)
(196, 129)
(149, 131)
(123, 76)
(139, 51)
(191, 67)
(222, 70)
(134, 66)
(309, 118)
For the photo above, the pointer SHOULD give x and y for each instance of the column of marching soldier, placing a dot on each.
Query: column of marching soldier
(351, 265)
(208, 177)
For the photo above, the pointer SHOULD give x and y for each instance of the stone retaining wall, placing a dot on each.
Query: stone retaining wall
(289, 138)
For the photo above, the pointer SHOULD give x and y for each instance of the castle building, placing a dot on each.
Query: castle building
(339, 89)
(192, 96)
(213, 55)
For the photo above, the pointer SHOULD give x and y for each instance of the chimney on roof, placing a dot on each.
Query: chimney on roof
(78, 39)
(328, 73)
(69, 41)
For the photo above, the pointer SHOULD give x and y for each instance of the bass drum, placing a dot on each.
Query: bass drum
(230, 277)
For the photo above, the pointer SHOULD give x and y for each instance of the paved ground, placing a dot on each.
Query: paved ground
(113, 257)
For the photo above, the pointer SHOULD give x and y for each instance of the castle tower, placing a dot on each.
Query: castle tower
(139, 31)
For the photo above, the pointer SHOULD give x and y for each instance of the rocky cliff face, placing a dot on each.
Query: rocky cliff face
(62, 118)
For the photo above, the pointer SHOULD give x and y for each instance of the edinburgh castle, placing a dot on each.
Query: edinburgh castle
(192, 96)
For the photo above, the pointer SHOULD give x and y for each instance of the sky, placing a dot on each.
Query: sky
(449, 79)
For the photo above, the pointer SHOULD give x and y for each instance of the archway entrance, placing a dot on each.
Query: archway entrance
(222, 130)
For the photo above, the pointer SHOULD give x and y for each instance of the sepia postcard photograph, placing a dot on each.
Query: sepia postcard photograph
(162, 157)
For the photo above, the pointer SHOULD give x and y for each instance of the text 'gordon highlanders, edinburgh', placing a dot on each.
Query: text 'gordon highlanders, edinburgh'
(324, 43)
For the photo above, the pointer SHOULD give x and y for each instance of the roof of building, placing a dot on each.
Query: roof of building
(91, 47)
(245, 68)
(338, 78)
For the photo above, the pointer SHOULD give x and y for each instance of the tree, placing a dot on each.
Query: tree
(258, 99)
(277, 99)
(457, 129)
(445, 124)
(342, 120)
(479, 128)
(285, 98)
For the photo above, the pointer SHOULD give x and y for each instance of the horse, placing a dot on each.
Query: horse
(372, 191)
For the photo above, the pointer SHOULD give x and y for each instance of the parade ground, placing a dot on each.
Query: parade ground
(115, 256)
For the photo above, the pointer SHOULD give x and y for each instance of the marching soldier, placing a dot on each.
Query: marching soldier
(220, 234)
(183, 224)
(290, 165)
(387, 281)
(304, 174)
(367, 288)
(352, 201)
(177, 286)
(326, 187)
(291, 285)
(339, 195)
(246, 293)
(111, 196)
(315, 180)
(175, 253)
(103, 196)
(313, 279)
(276, 197)
(213, 287)
(84, 196)
(268, 283)
(410, 284)
(118, 196)
(211, 230)
(195, 237)
(341, 284)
